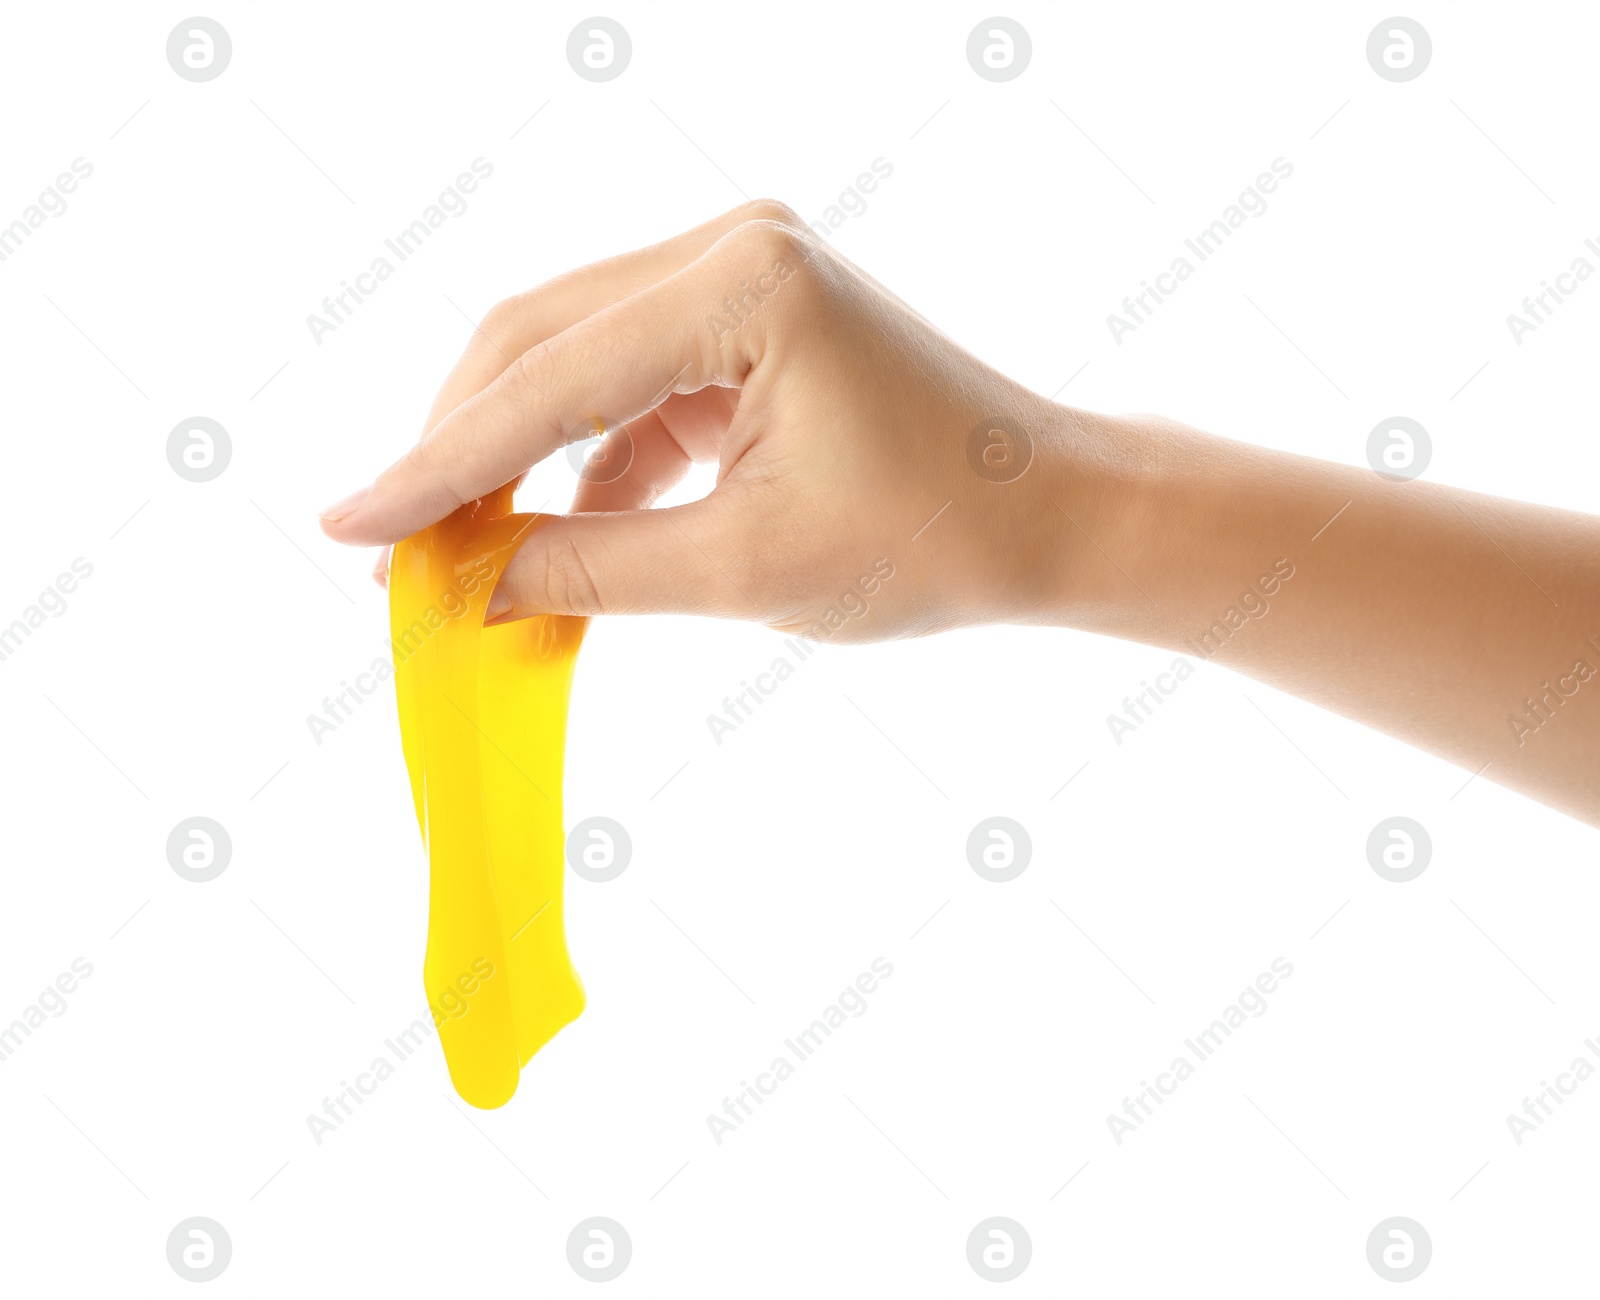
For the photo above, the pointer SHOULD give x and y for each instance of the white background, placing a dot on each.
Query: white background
(1169, 873)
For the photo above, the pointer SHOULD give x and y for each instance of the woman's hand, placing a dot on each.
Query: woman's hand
(874, 479)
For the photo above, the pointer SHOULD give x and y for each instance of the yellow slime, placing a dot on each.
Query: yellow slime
(483, 719)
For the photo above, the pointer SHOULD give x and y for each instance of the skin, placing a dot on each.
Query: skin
(847, 430)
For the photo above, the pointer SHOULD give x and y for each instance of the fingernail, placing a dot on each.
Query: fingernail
(499, 604)
(344, 509)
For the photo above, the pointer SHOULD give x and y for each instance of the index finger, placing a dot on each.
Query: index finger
(614, 365)
(518, 323)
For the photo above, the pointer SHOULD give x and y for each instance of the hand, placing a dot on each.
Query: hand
(874, 480)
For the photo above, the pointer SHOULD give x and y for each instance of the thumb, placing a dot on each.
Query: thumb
(681, 560)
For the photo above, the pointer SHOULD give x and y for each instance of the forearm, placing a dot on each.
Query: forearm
(1464, 624)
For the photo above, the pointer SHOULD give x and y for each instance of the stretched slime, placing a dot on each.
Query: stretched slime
(483, 719)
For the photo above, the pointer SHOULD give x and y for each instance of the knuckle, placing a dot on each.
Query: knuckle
(570, 580)
(772, 210)
(499, 321)
(771, 256)
(762, 274)
(531, 369)
(772, 241)
(433, 462)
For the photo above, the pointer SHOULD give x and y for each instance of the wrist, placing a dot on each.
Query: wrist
(1179, 532)
(1103, 507)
